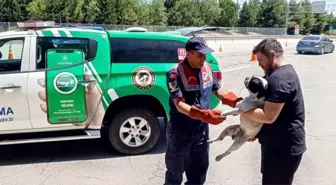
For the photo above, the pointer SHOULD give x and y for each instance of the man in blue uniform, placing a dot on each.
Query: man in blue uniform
(191, 84)
(282, 137)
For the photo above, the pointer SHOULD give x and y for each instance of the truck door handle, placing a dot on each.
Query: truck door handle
(11, 87)
(87, 82)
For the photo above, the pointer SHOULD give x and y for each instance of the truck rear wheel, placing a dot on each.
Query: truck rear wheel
(134, 131)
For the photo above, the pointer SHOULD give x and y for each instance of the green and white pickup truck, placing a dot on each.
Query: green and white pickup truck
(69, 83)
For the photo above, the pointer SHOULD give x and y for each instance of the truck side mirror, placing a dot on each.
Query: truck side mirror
(92, 50)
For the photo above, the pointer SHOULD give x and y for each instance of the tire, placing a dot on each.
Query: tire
(138, 114)
(322, 51)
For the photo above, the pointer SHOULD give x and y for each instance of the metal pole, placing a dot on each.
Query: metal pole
(287, 10)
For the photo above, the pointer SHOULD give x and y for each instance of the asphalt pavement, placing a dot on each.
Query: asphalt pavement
(90, 162)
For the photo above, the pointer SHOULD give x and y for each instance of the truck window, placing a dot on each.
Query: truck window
(131, 50)
(10, 55)
(46, 43)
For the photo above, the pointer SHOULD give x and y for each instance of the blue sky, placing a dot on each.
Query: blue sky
(331, 1)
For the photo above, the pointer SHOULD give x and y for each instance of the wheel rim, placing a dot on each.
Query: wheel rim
(135, 132)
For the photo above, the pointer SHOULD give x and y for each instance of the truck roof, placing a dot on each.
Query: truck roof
(13, 32)
(54, 31)
(65, 31)
(114, 33)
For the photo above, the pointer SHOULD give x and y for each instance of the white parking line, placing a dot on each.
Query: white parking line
(234, 69)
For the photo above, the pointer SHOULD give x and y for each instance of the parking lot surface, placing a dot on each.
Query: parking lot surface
(90, 162)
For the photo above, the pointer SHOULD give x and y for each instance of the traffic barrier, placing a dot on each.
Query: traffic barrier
(253, 58)
(220, 48)
(10, 53)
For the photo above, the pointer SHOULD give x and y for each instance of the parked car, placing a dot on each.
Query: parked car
(71, 83)
(319, 44)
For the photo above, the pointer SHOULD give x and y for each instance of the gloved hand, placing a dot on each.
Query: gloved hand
(231, 99)
(209, 116)
(213, 117)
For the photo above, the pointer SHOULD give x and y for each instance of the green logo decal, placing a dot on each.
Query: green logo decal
(65, 83)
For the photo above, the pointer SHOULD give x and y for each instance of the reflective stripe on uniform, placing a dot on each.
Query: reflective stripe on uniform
(208, 74)
(189, 80)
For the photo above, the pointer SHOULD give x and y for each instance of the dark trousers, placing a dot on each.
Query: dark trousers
(187, 153)
(278, 168)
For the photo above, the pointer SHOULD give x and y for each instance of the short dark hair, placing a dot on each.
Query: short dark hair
(268, 45)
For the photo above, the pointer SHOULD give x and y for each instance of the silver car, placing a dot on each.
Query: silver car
(315, 44)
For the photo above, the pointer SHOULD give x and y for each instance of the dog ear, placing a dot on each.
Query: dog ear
(256, 86)
(261, 94)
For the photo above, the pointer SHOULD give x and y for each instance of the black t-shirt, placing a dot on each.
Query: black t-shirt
(287, 133)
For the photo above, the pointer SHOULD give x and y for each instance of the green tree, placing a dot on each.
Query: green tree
(309, 19)
(320, 23)
(77, 14)
(143, 11)
(169, 4)
(183, 13)
(127, 12)
(273, 13)
(37, 9)
(330, 18)
(22, 5)
(246, 16)
(295, 16)
(255, 12)
(229, 13)
(209, 12)
(157, 13)
(10, 11)
(107, 12)
(92, 12)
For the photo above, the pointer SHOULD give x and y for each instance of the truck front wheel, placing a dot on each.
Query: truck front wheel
(134, 131)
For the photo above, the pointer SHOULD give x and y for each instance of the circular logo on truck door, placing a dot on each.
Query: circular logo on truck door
(65, 83)
(143, 78)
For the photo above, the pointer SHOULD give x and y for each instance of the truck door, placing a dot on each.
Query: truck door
(53, 97)
(14, 64)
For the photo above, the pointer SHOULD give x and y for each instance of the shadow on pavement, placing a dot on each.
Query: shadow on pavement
(65, 151)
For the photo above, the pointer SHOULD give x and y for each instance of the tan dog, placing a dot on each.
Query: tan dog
(247, 129)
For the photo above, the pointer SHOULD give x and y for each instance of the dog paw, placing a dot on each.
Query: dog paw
(210, 141)
(218, 158)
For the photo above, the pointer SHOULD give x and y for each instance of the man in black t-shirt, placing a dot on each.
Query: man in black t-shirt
(282, 136)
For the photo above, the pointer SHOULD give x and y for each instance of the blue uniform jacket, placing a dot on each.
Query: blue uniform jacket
(195, 86)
